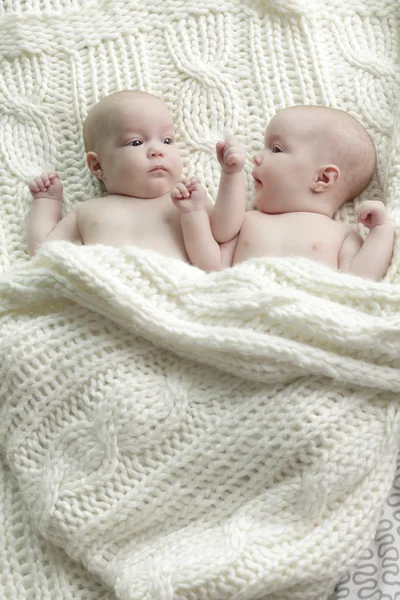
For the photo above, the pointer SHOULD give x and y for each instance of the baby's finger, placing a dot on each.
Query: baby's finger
(183, 190)
(196, 186)
(33, 187)
(233, 159)
(192, 184)
(361, 219)
(232, 144)
(176, 195)
(220, 147)
(366, 219)
(40, 183)
(364, 211)
(45, 178)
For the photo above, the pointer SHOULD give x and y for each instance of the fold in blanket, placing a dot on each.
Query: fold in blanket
(195, 435)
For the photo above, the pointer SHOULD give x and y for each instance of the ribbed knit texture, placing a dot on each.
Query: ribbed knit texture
(190, 436)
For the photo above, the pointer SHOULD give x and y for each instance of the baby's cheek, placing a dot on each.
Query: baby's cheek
(130, 168)
(176, 166)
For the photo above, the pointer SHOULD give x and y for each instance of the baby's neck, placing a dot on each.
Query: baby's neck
(126, 198)
(298, 214)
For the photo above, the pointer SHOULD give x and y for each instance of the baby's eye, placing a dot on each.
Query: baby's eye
(135, 143)
(276, 149)
(168, 140)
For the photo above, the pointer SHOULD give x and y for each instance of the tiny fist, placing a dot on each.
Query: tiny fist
(234, 159)
(372, 213)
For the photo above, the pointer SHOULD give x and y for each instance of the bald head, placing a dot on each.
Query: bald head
(339, 139)
(106, 115)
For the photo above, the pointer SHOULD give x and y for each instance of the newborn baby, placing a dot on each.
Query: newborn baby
(130, 145)
(314, 159)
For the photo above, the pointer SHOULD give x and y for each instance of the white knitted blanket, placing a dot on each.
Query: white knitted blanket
(190, 436)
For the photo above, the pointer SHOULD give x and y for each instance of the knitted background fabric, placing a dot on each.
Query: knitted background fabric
(230, 66)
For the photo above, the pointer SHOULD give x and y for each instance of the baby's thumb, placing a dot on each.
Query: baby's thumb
(220, 148)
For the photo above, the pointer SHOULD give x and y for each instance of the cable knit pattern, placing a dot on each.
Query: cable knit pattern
(185, 435)
(192, 435)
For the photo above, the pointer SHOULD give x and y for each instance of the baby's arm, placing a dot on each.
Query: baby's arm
(44, 222)
(370, 259)
(191, 200)
(46, 190)
(230, 206)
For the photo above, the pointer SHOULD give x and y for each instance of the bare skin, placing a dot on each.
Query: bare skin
(130, 144)
(314, 159)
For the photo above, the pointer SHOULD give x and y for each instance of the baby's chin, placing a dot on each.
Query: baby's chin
(157, 187)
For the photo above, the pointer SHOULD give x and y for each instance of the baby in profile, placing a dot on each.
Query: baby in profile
(314, 160)
(130, 145)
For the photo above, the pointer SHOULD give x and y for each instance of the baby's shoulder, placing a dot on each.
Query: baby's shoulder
(255, 220)
(252, 216)
(87, 205)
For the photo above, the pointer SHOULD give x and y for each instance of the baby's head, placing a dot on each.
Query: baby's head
(314, 159)
(130, 145)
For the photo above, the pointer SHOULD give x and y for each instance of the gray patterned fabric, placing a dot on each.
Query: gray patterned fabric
(377, 574)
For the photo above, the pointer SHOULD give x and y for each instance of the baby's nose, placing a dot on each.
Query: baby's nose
(157, 150)
(257, 159)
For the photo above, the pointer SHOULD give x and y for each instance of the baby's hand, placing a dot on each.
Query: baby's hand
(372, 213)
(46, 185)
(231, 155)
(189, 196)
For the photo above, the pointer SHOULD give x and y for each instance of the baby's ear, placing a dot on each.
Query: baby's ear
(92, 159)
(326, 178)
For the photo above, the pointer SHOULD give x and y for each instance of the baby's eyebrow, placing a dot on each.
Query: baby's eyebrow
(273, 137)
(144, 133)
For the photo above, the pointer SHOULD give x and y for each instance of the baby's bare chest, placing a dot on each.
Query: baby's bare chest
(310, 236)
(150, 225)
(125, 216)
